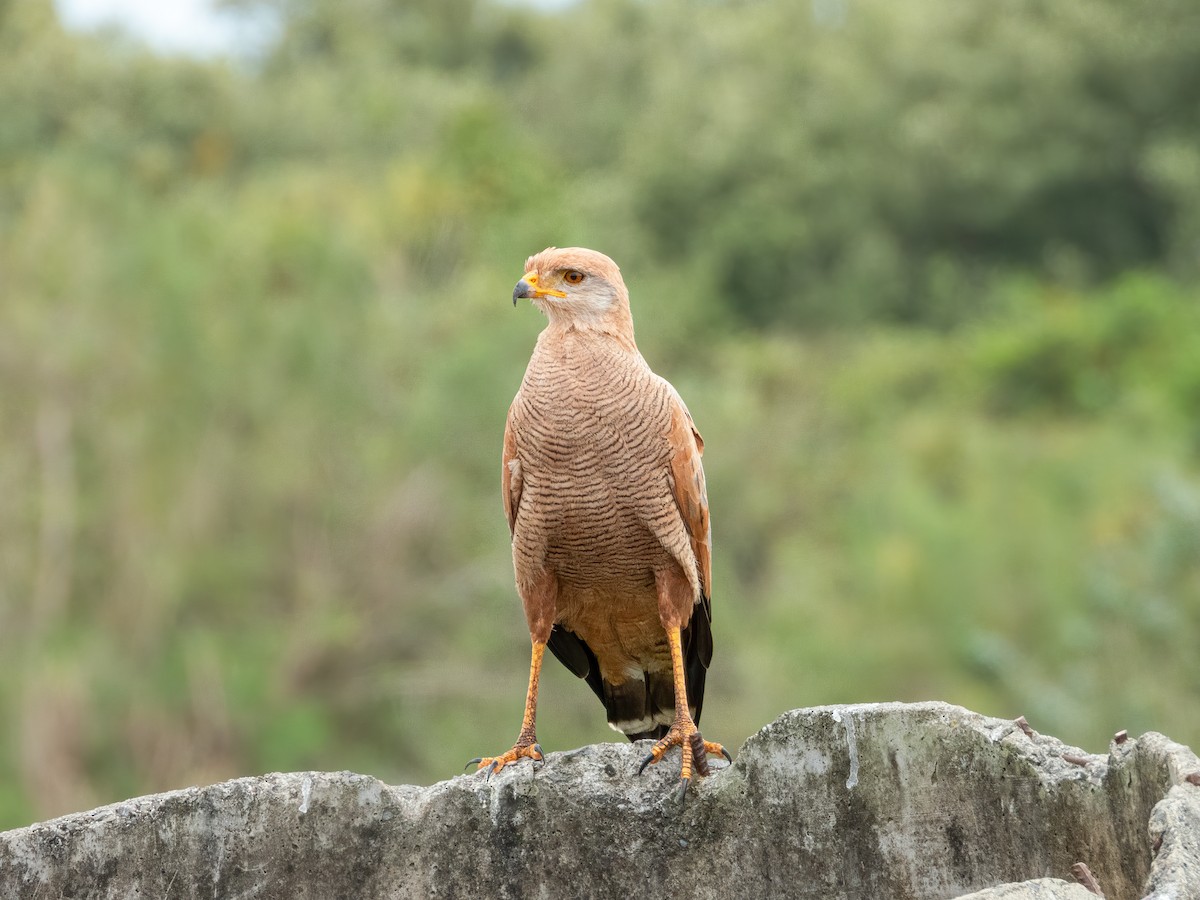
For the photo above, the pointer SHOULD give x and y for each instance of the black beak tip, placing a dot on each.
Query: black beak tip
(523, 289)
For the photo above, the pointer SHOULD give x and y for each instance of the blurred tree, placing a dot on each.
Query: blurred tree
(886, 164)
(925, 273)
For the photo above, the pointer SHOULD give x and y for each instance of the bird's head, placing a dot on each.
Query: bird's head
(576, 287)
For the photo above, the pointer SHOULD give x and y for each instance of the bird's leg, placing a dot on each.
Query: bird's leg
(526, 745)
(683, 731)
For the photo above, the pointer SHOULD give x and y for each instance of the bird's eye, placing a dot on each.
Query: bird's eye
(573, 277)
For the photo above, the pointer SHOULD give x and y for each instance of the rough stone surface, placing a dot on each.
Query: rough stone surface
(882, 800)
(1035, 889)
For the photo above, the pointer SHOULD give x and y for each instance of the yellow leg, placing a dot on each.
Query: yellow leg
(526, 745)
(683, 732)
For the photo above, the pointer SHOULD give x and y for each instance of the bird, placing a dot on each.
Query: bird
(604, 492)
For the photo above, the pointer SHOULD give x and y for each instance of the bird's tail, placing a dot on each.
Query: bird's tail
(641, 707)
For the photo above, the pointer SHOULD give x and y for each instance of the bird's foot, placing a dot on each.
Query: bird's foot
(693, 746)
(524, 749)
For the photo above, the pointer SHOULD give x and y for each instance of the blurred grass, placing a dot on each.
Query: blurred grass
(256, 352)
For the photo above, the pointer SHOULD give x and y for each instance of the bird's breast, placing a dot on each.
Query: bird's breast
(590, 439)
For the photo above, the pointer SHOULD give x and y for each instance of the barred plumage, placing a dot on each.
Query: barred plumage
(593, 430)
(605, 498)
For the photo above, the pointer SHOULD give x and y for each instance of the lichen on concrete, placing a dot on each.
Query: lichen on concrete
(900, 801)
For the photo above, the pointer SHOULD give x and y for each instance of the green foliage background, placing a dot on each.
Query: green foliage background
(925, 273)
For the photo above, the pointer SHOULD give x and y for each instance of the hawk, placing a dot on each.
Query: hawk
(605, 497)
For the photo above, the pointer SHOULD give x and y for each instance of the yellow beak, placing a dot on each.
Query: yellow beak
(528, 288)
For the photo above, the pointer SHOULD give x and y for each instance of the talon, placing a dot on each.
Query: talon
(681, 791)
(684, 734)
(490, 765)
(653, 756)
(473, 762)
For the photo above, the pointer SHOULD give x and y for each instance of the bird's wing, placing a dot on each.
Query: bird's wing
(691, 496)
(511, 478)
(577, 656)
